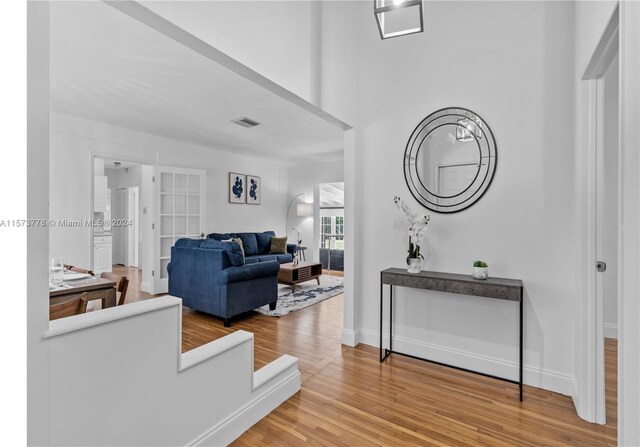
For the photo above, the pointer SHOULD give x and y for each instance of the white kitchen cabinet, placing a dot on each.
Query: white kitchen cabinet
(102, 254)
(100, 194)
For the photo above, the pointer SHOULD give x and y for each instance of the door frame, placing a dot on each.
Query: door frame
(623, 28)
(590, 393)
(153, 162)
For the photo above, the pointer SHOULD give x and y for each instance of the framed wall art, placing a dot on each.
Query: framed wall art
(254, 190)
(237, 188)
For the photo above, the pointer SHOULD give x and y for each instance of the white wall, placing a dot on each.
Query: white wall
(522, 85)
(611, 195)
(302, 179)
(125, 364)
(278, 39)
(73, 140)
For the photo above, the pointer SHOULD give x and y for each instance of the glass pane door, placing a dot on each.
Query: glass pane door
(180, 198)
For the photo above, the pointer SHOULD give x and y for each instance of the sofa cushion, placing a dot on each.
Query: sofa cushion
(220, 236)
(283, 259)
(249, 243)
(263, 258)
(278, 245)
(188, 243)
(251, 259)
(264, 242)
(233, 250)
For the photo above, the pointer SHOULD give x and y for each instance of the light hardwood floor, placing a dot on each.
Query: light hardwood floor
(349, 399)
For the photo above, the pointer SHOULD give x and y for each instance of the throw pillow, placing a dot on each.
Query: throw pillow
(264, 243)
(278, 245)
(249, 243)
(238, 241)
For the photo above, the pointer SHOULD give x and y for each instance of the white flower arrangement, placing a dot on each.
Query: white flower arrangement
(417, 227)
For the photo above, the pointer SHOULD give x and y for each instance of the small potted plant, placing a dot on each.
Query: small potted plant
(480, 270)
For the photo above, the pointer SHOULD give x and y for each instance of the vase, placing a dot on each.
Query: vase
(480, 272)
(414, 265)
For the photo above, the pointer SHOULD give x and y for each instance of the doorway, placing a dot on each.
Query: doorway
(124, 181)
(332, 225)
(126, 238)
(127, 186)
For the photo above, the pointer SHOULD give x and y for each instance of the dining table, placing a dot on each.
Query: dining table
(97, 289)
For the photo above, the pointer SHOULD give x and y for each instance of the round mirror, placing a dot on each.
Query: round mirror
(450, 160)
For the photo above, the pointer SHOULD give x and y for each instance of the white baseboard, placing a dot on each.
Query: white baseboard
(350, 338)
(235, 425)
(546, 379)
(575, 397)
(145, 287)
(611, 330)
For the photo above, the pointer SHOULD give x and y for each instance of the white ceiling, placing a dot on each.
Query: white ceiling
(332, 194)
(108, 67)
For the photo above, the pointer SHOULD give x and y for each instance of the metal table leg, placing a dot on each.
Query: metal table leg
(384, 353)
(381, 294)
(521, 337)
(390, 318)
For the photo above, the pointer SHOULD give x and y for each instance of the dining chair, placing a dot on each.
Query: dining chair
(122, 284)
(74, 306)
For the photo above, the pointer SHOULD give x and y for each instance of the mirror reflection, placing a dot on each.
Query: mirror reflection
(448, 160)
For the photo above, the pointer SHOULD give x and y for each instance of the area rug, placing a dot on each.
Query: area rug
(307, 294)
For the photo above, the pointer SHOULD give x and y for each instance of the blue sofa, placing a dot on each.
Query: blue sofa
(211, 276)
(257, 246)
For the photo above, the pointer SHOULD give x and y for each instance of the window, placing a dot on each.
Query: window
(332, 232)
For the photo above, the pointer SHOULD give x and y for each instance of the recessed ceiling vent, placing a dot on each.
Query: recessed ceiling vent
(246, 122)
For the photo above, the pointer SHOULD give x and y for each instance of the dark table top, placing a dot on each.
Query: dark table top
(499, 288)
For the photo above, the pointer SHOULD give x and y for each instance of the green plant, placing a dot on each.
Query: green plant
(480, 264)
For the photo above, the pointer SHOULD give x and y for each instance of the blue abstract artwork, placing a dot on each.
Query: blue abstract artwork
(254, 191)
(237, 191)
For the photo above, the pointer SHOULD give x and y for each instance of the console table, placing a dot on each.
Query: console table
(497, 288)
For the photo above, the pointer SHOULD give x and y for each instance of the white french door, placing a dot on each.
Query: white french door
(180, 198)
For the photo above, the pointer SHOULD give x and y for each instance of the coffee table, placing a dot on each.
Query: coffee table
(295, 274)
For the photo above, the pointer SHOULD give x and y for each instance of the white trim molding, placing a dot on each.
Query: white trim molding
(539, 378)
(629, 304)
(230, 429)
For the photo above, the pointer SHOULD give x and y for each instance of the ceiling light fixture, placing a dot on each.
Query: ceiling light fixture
(398, 17)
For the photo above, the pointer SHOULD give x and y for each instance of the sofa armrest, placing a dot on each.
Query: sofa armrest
(292, 248)
(248, 272)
